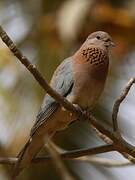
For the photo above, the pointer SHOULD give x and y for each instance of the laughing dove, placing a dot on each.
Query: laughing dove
(81, 79)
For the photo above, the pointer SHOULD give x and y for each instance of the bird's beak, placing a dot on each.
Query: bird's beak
(112, 44)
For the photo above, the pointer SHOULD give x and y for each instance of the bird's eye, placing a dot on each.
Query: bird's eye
(98, 37)
(107, 40)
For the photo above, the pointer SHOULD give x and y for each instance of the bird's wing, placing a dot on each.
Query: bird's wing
(62, 82)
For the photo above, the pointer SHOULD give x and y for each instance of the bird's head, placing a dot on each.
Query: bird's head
(100, 38)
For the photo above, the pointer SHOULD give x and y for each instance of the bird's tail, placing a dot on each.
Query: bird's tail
(29, 151)
(18, 166)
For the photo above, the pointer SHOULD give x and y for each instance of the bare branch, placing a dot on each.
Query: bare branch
(65, 155)
(129, 157)
(59, 165)
(89, 151)
(103, 161)
(58, 148)
(118, 102)
(102, 136)
(109, 141)
(90, 159)
(8, 160)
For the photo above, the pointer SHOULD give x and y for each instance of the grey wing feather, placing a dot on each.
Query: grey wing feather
(62, 82)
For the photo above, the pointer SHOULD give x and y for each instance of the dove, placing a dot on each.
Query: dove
(80, 79)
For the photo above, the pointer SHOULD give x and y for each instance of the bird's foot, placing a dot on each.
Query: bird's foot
(83, 112)
(87, 112)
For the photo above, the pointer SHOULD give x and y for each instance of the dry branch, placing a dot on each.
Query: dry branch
(33, 70)
(57, 161)
(118, 103)
(75, 156)
(65, 155)
(103, 161)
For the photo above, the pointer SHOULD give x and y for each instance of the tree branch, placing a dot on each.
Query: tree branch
(57, 161)
(89, 159)
(37, 75)
(65, 155)
(118, 102)
(106, 139)
(103, 161)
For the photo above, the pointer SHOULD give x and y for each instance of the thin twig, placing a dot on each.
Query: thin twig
(109, 141)
(118, 102)
(8, 160)
(103, 161)
(93, 160)
(65, 155)
(129, 157)
(58, 148)
(83, 152)
(90, 159)
(57, 161)
(102, 136)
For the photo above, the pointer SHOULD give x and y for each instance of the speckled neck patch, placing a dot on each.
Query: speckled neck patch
(94, 56)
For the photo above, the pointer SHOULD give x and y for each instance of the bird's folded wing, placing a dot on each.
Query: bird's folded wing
(62, 82)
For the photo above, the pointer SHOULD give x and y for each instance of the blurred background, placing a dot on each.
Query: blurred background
(47, 32)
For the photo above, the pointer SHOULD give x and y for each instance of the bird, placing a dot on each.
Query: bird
(80, 78)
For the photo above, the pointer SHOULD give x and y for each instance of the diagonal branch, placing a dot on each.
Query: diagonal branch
(57, 161)
(103, 161)
(37, 75)
(79, 153)
(118, 103)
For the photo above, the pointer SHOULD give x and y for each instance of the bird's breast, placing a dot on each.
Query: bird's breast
(89, 79)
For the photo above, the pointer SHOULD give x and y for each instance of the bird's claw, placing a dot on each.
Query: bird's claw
(87, 112)
(82, 112)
